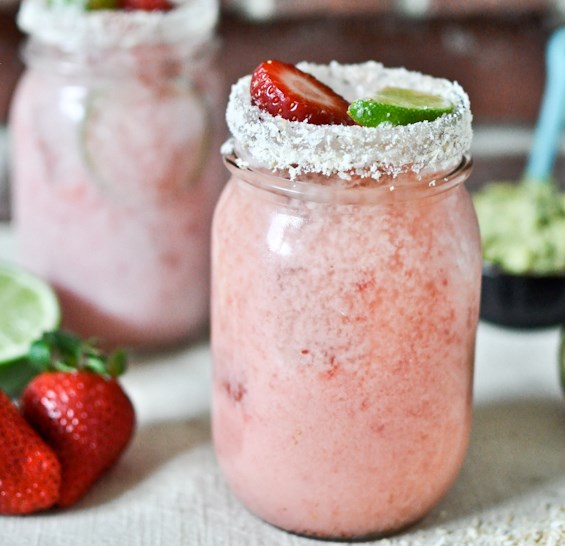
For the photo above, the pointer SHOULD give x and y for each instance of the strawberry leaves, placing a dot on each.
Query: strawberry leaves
(66, 352)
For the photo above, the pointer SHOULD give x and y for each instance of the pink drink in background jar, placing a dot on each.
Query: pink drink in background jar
(345, 296)
(114, 182)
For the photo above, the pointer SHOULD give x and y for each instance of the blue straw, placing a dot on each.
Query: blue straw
(550, 122)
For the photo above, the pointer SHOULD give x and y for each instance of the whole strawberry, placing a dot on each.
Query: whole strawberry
(30, 473)
(81, 411)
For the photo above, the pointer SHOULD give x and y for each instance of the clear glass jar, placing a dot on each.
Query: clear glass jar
(114, 182)
(343, 334)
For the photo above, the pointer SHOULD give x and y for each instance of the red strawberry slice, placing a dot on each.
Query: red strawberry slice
(30, 473)
(147, 5)
(283, 90)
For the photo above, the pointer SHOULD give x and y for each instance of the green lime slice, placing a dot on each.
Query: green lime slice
(28, 307)
(93, 5)
(398, 106)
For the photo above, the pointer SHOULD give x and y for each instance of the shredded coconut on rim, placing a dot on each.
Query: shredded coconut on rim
(73, 28)
(299, 147)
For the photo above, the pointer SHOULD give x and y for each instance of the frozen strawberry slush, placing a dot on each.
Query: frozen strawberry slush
(344, 314)
(343, 387)
(113, 198)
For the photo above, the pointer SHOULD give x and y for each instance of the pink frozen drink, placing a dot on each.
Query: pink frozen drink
(346, 277)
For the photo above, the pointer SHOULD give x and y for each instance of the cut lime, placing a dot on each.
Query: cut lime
(93, 5)
(28, 307)
(398, 106)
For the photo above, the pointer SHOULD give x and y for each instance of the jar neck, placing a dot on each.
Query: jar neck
(356, 191)
(157, 60)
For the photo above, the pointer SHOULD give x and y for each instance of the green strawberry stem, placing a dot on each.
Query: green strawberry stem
(64, 351)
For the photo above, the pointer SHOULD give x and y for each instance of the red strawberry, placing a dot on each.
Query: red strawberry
(30, 474)
(82, 412)
(283, 90)
(147, 5)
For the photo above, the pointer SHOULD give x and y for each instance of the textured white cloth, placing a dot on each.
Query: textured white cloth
(167, 489)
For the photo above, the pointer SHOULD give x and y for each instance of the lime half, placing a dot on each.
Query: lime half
(28, 307)
(398, 106)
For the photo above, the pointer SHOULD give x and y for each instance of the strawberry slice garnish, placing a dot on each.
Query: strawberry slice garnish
(146, 5)
(282, 89)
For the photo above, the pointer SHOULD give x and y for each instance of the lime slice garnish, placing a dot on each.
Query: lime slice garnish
(28, 307)
(93, 5)
(398, 106)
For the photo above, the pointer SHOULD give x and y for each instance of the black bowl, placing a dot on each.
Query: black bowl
(522, 301)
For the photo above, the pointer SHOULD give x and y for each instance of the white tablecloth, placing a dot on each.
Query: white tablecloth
(167, 489)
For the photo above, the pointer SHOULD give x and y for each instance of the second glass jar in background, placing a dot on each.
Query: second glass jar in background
(114, 180)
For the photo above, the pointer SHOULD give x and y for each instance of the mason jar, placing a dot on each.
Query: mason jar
(344, 315)
(113, 181)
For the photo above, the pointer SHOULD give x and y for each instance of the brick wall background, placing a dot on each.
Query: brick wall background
(494, 48)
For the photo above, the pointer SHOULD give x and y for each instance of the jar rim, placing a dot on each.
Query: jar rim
(332, 189)
(346, 150)
(70, 28)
